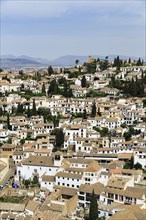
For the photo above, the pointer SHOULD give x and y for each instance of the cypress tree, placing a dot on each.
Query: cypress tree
(20, 109)
(43, 88)
(4, 107)
(28, 112)
(44, 117)
(53, 88)
(132, 88)
(83, 82)
(84, 114)
(132, 163)
(93, 112)
(139, 62)
(34, 112)
(59, 138)
(50, 70)
(93, 211)
(1, 111)
(8, 122)
(13, 110)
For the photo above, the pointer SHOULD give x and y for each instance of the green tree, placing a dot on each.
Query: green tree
(59, 138)
(67, 91)
(129, 164)
(132, 162)
(127, 135)
(35, 180)
(93, 111)
(43, 111)
(28, 112)
(43, 89)
(83, 82)
(33, 112)
(22, 87)
(62, 80)
(53, 88)
(139, 62)
(91, 67)
(55, 120)
(22, 141)
(104, 132)
(93, 211)
(1, 111)
(123, 125)
(4, 107)
(135, 87)
(137, 166)
(73, 74)
(20, 109)
(21, 72)
(38, 76)
(27, 183)
(50, 70)
(8, 122)
(9, 141)
(84, 114)
(104, 64)
(117, 64)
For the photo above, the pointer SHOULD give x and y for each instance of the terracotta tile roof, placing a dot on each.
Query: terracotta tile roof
(39, 161)
(129, 215)
(117, 182)
(129, 192)
(79, 160)
(125, 156)
(97, 187)
(32, 205)
(74, 169)
(68, 191)
(47, 178)
(12, 206)
(69, 175)
(93, 167)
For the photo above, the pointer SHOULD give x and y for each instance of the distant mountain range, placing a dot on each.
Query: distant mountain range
(11, 61)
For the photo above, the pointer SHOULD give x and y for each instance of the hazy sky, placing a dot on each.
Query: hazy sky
(49, 28)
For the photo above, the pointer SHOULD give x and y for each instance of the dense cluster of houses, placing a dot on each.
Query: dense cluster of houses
(87, 161)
